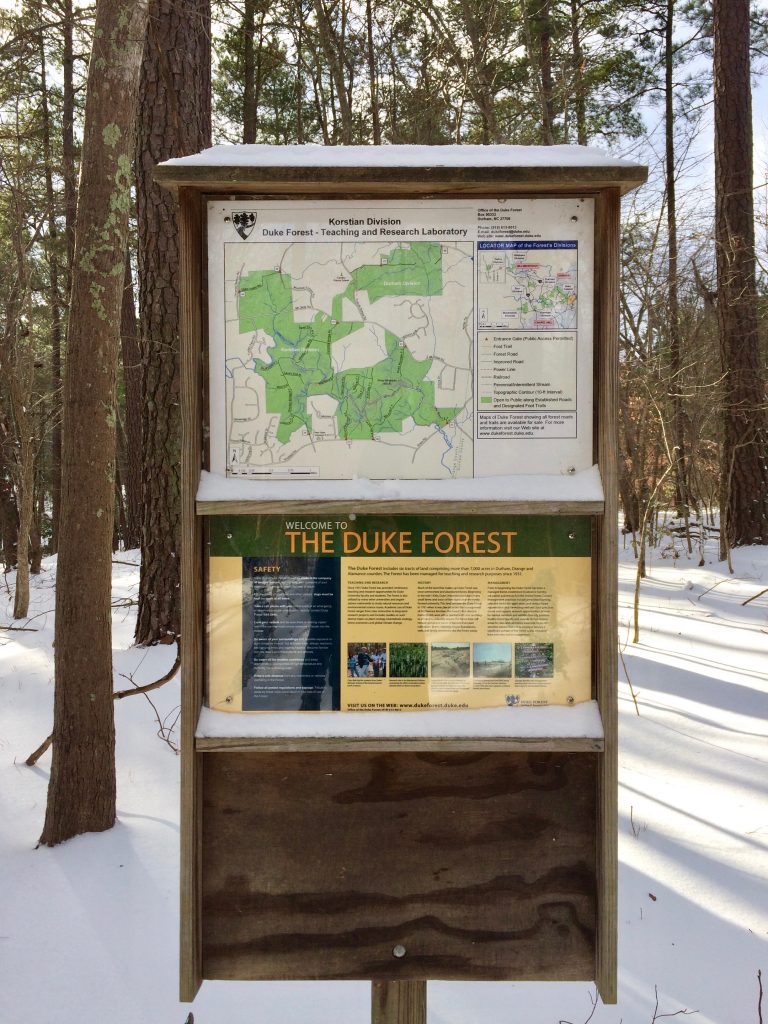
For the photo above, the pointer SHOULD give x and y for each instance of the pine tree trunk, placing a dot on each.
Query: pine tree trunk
(35, 546)
(372, 83)
(249, 73)
(9, 519)
(537, 33)
(300, 77)
(579, 91)
(25, 488)
(745, 433)
(81, 792)
(333, 54)
(675, 339)
(174, 120)
(69, 170)
(16, 372)
(70, 213)
(54, 295)
(547, 87)
(131, 353)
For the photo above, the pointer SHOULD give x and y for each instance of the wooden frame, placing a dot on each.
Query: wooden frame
(397, 996)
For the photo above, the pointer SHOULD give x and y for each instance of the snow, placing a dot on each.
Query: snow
(399, 156)
(88, 930)
(581, 720)
(584, 486)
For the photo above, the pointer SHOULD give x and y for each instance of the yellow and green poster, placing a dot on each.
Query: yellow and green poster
(398, 613)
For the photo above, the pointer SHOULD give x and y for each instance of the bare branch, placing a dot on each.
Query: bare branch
(35, 756)
(165, 731)
(119, 694)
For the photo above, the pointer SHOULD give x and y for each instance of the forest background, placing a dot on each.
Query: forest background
(93, 96)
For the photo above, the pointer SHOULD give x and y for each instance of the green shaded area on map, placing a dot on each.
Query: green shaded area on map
(375, 399)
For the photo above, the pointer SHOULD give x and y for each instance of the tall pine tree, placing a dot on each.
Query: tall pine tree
(745, 420)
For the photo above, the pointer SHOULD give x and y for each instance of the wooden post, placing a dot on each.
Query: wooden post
(606, 644)
(399, 1002)
(191, 643)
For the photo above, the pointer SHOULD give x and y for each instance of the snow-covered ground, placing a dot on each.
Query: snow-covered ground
(88, 931)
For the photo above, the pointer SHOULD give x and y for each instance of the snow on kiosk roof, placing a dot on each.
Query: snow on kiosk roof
(530, 167)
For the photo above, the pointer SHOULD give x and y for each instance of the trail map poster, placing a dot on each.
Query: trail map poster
(406, 339)
(398, 613)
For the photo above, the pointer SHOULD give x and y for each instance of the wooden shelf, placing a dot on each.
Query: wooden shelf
(574, 729)
(519, 508)
(362, 744)
(578, 494)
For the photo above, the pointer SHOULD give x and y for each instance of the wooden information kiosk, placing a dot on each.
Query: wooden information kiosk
(399, 493)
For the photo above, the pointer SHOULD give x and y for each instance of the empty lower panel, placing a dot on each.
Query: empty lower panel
(480, 866)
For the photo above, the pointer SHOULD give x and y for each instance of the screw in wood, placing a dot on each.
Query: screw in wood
(399, 951)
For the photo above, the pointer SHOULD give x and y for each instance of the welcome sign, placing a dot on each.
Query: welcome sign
(398, 613)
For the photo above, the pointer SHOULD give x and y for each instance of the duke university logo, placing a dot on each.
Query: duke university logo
(244, 223)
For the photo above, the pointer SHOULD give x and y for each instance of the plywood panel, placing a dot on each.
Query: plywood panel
(317, 865)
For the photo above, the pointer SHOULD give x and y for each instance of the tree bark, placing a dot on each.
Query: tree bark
(547, 87)
(174, 120)
(675, 339)
(9, 517)
(131, 353)
(300, 77)
(35, 545)
(25, 503)
(54, 296)
(249, 73)
(372, 82)
(70, 214)
(537, 32)
(81, 792)
(579, 92)
(16, 370)
(69, 173)
(745, 428)
(333, 53)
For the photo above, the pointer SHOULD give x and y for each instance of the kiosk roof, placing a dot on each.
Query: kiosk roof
(542, 168)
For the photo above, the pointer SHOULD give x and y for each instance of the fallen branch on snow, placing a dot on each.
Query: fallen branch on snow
(760, 997)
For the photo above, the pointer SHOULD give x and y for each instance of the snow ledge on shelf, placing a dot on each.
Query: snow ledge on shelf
(399, 156)
(581, 721)
(585, 486)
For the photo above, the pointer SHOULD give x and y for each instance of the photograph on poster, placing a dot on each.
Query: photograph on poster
(366, 660)
(450, 659)
(492, 661)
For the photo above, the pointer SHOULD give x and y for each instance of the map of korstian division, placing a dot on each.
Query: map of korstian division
(349, 359)
(526, 288)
